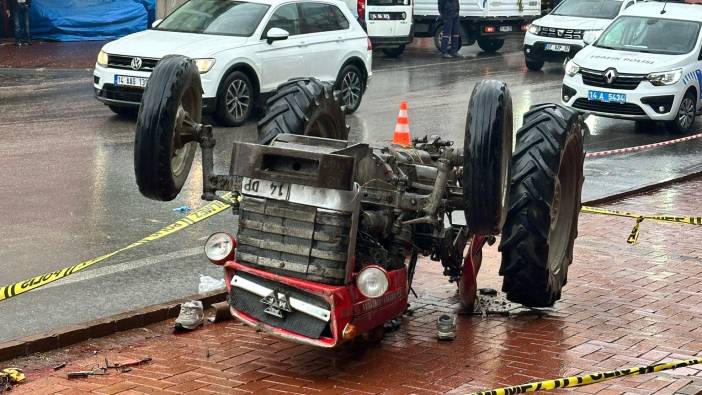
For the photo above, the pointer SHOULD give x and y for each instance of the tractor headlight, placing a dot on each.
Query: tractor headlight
(372, 281)
(534, 29)
(102, 58)
(219, 248)
(204, 65)
(571, 68)
(665, 78)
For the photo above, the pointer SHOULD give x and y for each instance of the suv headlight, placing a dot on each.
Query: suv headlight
(102, 58)
(665, 78)
(571, 68)
(204, 65)
(533, 29)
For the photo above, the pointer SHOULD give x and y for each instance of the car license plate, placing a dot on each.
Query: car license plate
(266, 189)
(128, 80)
(606, 97)
(558, 47)
(505, 28)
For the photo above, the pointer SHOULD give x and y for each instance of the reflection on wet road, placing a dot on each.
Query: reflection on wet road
(68, 192)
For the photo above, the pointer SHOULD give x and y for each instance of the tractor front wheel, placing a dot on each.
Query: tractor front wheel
(544, 201)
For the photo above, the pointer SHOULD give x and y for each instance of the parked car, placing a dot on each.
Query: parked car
(244, 50)
(388, 23)
(647, 66)
(486, 22)
(559, 35)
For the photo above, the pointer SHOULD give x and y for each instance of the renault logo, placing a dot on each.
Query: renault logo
(136, 63)
(610, 75)
(560, 32)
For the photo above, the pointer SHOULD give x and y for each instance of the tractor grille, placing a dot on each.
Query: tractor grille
(294, 321)
(292, 239)
(623, 81)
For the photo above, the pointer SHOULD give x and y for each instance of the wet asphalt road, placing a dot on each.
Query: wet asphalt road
(67, 190)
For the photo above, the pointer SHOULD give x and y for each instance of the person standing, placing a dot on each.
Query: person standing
(449, 9)
(21, 18)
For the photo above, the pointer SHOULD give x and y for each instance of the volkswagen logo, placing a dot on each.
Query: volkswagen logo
(610, 75)
(136, 63)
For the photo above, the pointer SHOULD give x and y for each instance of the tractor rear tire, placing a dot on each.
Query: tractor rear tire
(161, 163)
(544, 202)
(487, 154)
(306, 106)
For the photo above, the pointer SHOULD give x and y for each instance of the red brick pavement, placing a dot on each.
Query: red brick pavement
(623, 306)
(62, 55)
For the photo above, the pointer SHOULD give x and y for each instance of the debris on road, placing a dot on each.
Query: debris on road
(60, 366)
(87, 373)
(183, 209)
(191, 316)
(446, 327)
(10, 376)
(209, 284)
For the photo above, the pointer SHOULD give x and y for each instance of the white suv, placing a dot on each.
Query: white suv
(559, 35)
(244, 50)
(645, 67)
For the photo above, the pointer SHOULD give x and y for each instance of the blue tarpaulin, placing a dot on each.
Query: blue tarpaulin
(89, 20)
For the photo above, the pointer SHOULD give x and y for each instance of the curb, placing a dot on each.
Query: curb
(73, 334)
(643, 189)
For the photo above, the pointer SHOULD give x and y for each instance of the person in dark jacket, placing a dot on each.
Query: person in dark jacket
(448, 9)
(21, 18)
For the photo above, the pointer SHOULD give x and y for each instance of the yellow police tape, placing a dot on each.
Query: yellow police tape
(587, 379)
(634, 235)
(193, 217)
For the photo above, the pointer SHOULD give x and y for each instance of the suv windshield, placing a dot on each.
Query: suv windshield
(601, 9)
(650, 35)
(231, 18)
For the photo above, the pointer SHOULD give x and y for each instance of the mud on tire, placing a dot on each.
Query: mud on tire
(304, 106)
(544, 201)
(487, 155)
(161, 161)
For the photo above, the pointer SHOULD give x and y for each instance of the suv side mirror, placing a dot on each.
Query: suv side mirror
(276, 34)
(156, 23)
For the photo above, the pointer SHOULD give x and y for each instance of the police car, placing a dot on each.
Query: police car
(646, 66)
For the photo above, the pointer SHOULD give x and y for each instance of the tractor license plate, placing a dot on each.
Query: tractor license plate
(606, 97)
(266, 189)
(505, 29)
(558, 47)
(128, 80)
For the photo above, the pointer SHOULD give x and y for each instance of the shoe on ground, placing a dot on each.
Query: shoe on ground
(456, 56)
(446, 327)
(446, 56)
(191, 316)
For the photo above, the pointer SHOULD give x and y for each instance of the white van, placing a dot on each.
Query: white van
(559, 35)
(646, 66)
(487, 22)
(388, 23)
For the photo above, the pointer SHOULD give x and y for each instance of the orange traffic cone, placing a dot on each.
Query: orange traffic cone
(402, 131)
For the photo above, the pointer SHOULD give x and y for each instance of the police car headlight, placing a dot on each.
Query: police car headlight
(571, 68)
(372, 281)
(534, 29)
(102, 58)
(665, 78)
(219, 248)
(204, 65)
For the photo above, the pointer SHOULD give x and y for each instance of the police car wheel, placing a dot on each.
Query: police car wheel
(685, 118)
(172, 100)
(487, 155)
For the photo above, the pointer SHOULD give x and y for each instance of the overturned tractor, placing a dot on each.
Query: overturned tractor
(330, 231)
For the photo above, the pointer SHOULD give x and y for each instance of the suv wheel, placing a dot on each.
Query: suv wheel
(351, 83)
(685, 117)
(235, 100)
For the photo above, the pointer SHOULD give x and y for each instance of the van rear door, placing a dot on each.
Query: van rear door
(515, 8)
(388, 18)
